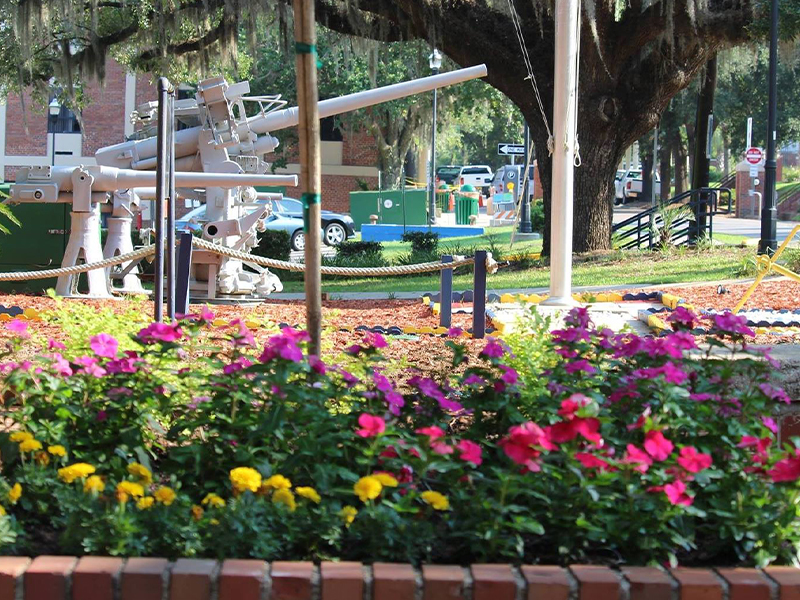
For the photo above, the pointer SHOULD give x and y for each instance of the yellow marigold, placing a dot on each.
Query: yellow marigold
(197, 512)
(368, 488)
(20, 436)
(76, 471)
(165, 495)
(436, 500)
(308, 492)
(285, 497)
(348, 514)
(245, 478)
(276, 482)
(126, 489)
(2, 512)
(30, 446)
(57, 450)
(385, 479)
(42, 458)
(15, 493)
(94, 484)
(214, 501)
(141, 472)
(145, 503)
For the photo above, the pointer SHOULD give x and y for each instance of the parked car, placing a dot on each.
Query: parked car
(193, 221)
(336, 227)
(478, 176)
(631, 185)
(447, 174)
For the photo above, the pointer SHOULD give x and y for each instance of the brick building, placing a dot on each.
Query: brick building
(30, 136)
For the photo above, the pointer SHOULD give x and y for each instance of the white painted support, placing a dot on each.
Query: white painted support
(565, 94)
(84, 243)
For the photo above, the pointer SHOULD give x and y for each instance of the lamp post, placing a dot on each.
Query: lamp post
(54, 109)
(769, 214)
(435, 62)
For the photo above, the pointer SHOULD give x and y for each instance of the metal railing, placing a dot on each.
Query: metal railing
(646, 227)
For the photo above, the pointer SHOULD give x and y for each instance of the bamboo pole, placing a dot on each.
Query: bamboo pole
(310, 162)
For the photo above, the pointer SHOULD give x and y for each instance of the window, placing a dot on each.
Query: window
(64, 122)
(475, 171)
(329, 130)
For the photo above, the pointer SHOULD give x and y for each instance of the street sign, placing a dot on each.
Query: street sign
(511, 149)
(753, 171)
(754, 155)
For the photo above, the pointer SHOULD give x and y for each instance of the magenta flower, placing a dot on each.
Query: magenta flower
(454, 332)
(61, 365)
(566, 431)
(123, 365)
(734, 325)
(572, 405)
(657, 445)
(18, 327)
(434, 433)
(579, 366)
(55, 345)
(101, 415)
(509, 375)
(371, 425)
(239, 364)
(90, 366)
(395, 402)
(639, 458)
(571, 335)
(492, 349)
(524, 444)
(104, 345)
(284, 346)
(317, 365)
(160, 332)
(676, 493)
(692, 460)
(376, 340)
(590, 461)
(774, 393)
(787, 469)
(470, 452)
(770, 424)
(206, 314)
(473, 379)
(579, 317)
(682, 318)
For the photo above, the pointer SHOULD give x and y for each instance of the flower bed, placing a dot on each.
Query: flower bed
(583, 445)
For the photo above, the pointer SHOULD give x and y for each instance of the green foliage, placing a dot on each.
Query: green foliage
(537, 216)
(352, 249)
(422, 241)
(791, 174)
(6, 213)
(273, 244)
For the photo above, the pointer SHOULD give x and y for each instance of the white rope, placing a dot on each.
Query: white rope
(576, 153)
(75, 269)
(491, 265)
(529, 68)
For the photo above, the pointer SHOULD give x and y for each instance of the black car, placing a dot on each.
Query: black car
(336, 227)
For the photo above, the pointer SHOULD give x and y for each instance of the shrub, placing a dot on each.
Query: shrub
(537, 216)
(583, 445)
(422, 242)
(791, 174)
(273, 244)
(356, 249)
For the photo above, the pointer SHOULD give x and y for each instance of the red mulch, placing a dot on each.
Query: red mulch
(777, 294)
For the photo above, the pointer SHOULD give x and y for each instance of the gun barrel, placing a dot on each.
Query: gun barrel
(288, 117)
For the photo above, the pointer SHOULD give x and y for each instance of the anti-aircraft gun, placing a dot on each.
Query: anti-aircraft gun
(224, 151)
(227, 140)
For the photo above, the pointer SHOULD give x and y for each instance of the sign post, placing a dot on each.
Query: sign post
(511, 149)
(754, 155)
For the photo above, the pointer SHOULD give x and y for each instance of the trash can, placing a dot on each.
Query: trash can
(443, 198)
(466, 204)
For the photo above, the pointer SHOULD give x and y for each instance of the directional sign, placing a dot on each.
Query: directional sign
(754, 155)
(511, 149)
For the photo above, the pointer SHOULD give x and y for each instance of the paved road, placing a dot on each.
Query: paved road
(749, 228)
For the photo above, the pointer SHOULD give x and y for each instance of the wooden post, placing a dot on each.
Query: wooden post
(184, 271)
(310, 162)
(446, 294)
(479, 296)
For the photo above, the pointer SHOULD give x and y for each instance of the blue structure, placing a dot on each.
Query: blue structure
(391, 233)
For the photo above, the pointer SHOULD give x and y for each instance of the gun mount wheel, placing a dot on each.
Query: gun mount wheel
(335, 234)
(298, 240)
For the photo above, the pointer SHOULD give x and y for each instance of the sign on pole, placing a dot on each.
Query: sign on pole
(754, 155)
(511, 149)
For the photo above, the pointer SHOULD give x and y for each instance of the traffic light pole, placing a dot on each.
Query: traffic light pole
(769, 216)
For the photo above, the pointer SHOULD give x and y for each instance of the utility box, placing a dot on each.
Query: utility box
(38, 244)
(394, 207)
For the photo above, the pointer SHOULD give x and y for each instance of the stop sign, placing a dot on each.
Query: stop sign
(754, 155)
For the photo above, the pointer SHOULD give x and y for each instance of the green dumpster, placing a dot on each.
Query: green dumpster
(443, 198)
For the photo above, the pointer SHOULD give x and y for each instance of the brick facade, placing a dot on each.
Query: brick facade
(100, 578)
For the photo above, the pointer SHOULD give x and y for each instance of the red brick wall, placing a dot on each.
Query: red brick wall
(26, 129)
(104, 117)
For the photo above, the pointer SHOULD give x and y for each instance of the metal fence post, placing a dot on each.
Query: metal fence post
(161, 189)
(171, 205)
(446, 294)
(184, 268)
(479, 296)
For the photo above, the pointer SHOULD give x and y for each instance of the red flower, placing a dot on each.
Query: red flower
(470, 452)
(566, 431)
(640, 458)
(676, 493)
(433, 433)
(370, 425)
(692, 460)
(590, 461)
(657, 445)
(523, 442)
(572, 405)
(787, 469)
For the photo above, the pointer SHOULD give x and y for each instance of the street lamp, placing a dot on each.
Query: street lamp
(435, 62)
(54, 108)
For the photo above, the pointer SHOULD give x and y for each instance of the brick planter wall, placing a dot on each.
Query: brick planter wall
(104, 578)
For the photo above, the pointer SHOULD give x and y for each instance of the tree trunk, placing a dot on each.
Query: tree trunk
(664, 170)
(680, 155)
(701, 161)
(647, 174)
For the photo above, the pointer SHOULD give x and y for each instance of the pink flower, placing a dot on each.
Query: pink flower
(90, 366)
(206, 314)
(590, 461)
(676, 494)
(434, 433)
(55, 345)
(104, 345)
(441, 448)
(162, 332)
(493, 349)
(579, 366)
(734, 325)
(572, 404)
(692, 460)
(473, 379)
(509, 375)
(237, 365)
(774, 393)
(682, 318)
(61, 365)
(19, 327)
(284, 346)
(470, 452)
(317, 365)
(566, 431)
(640, 458)
(371, 425)
(454, 332)
(570, 335)
(376, 340)
(578, 317)
(244, 337)
(770, 424)
(524, 443)
(101, 415)
(787, 469)
(657, 445)
(640, 421)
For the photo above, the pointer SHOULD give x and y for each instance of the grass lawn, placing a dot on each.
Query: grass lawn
(615, 268)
